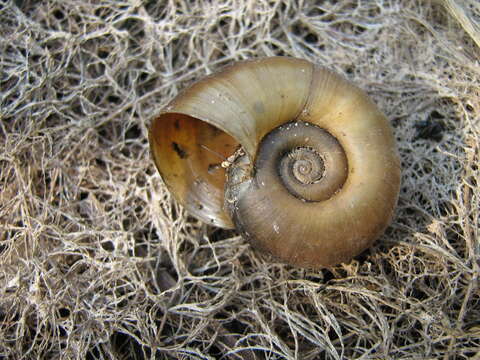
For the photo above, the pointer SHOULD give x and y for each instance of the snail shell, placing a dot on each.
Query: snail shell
(312, 175)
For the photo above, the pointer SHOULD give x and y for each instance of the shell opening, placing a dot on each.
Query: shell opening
(189, 153)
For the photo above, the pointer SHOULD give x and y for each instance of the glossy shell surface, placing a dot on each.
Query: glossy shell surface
(239, 107)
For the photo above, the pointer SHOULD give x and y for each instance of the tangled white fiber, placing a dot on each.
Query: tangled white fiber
(98, 262)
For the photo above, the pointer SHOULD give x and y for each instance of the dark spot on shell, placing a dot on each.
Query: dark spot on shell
(180, 152)
(213, 167)
(177, 124)
(216, 131)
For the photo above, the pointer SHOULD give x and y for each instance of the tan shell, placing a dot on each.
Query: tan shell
(240, 105)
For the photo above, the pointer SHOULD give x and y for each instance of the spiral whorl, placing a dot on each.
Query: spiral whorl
(303, 164)
(308, 161)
